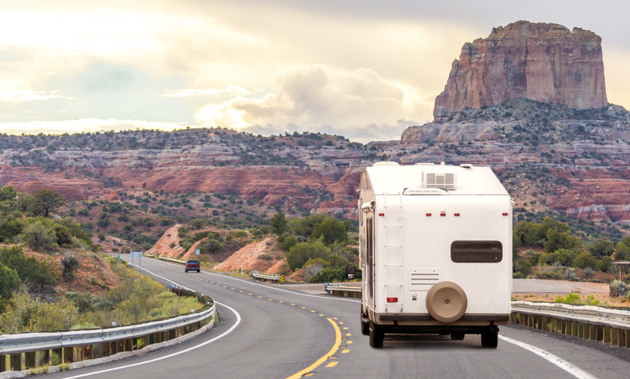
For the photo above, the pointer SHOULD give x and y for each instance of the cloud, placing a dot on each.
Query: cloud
(22, 95)
(230, 91)
(89, 125)
(318, 98)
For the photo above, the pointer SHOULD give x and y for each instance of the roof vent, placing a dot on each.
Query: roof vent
(441, 180)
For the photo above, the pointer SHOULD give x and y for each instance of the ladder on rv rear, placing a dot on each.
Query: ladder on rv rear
(393, 256)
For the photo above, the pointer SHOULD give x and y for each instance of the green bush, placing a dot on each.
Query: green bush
(299, 254)
(30, 270)
(522, 267)
(38, 237)
(622, 252)
(618, 288)
(329, 274)
(289, 242)
(9, 284)
(585, 260)
(331, 230)
(602, 247)
(606, 264)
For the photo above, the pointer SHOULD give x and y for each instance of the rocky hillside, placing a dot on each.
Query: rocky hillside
(537, 61)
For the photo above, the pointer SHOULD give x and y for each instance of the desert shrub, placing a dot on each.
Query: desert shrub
(618, 288)
(329, 274)
(278, 223)
(24, 315)
(300, 253)
(585, 260)
(622, 252)
(591, 300)
(525, 233)
(517, 275)
(571, 298)
(30, 270)
(562, 256)
(602, 247)
(331, 230)
(69, 263)
(289, 242)
(572, 276)
(560, 240)
(39, 237)
(554, 271)
(9, 284)
(522, 267)
(606, 264)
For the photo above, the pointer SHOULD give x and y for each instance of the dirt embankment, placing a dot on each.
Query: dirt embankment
(260, 256)
(93, 274)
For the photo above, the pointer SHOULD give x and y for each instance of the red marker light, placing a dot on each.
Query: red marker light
(456, 214)
(381, 214)
(428, 214)
(505, 213)
(442, 214)
(392, 299)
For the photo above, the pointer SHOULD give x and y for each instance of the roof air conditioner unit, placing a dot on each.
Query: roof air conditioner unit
(441, 180)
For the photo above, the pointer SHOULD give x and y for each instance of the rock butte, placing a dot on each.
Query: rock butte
(537, 61)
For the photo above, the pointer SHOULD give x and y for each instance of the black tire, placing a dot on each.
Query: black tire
(198, 271)
(490, 339)
(376, 336)
(457, 336)
(365, 327)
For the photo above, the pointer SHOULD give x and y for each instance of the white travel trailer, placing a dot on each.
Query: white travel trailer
(435, 251)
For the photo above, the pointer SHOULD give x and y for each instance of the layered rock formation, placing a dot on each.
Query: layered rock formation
(537, 61)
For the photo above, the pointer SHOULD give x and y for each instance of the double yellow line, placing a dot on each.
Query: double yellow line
(325, 357)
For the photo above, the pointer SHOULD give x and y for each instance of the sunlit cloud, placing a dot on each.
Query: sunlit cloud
(231, 91)
(318, 98)
(22, 95)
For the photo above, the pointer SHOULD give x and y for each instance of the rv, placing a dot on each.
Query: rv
(435, 251)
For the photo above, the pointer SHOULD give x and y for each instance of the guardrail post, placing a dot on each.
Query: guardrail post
(44, 358)
(606, 336)
(89, 352)
(29, 359)
(3, 363)
(68, 355)
(16, 362)
(128, 345)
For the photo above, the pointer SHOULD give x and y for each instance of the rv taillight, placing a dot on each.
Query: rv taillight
(442, 214)
(392, 299)
(505, 213)
(428, 214)
(456, 214)
(381, 214)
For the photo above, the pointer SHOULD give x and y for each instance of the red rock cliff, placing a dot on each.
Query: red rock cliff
(543, 62)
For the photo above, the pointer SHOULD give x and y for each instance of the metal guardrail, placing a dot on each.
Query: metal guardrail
(340, 289)
(583, 313)
(26, 342)
(80, 345)
(272, 277)
(582, 321)
(172, 260)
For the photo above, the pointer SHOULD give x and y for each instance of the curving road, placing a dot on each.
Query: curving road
(269, 331)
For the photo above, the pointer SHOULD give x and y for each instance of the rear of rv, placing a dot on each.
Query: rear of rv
(436, 251)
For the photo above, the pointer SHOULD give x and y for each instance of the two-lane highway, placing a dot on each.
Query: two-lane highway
(268, 331)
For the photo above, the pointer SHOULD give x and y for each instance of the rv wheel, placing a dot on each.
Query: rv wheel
(446, 302)
(365, 327)
(376, 336)
(457, 336)
(490, 339)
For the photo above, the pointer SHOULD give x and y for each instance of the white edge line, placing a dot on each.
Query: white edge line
(566, 366)
(238, 321)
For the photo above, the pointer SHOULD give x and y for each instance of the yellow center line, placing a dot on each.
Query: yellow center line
(345, 351)
(332, 364)
(321, 360)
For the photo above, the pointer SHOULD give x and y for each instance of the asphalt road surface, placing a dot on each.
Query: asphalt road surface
(269, 331)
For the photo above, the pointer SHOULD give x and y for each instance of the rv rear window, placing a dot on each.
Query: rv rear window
(476, 251)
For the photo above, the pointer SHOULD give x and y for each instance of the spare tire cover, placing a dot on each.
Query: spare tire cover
(446, 302)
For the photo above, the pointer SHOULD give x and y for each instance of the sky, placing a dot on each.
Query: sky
(363, 69)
